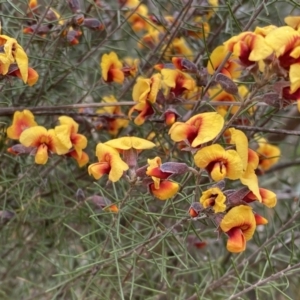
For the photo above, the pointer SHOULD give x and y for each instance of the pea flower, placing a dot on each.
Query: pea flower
(239, 224)
(177, 81)
(214, 198)
(111, 68)
(32, 78)
(139, 19)
(231, 68)
(145, 92)
(285, 41)
(82, 158)
(249, 47)
(198, 129)
(166, 190)
(161, 187)
(268, 198)
(268, 154)
(109, 162)
(43, 141)
(67, 134)
(130, 146)
(13, 53)
(21, 121)
(219, 163)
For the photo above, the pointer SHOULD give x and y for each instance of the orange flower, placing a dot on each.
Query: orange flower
(219, 163)
(67, 134)
(112, 68)
(21, 121)
(82, 160)
(166, 190)
(44, 141)
(161, 188)
(109, 162)
(214, 198)
(231, 68)
(177, 81)
(197, 130)
(239, 224)
(13, 53)
(155, 172)
(268, 198)
(114, 123)
(248, 47)
(32, 78)
(285, 41)
(139, 20)
(268, 154)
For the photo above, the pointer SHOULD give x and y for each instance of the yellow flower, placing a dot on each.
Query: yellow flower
(267, 197)
(214, 198)
(146, 88)
(197, 130)
(268, 154)
(44, 141)
(109, 162)
(249, 47)
(219, 163)
(231, 68)
(21, 121)
(67, 134)
(285, 41)
(239, 224)
(111, 68)
(13, 52)
(178, 81)
(166, 189)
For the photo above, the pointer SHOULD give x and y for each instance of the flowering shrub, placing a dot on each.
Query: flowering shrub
(146, 147)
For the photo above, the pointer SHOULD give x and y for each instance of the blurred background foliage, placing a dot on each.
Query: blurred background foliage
(54, 246)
